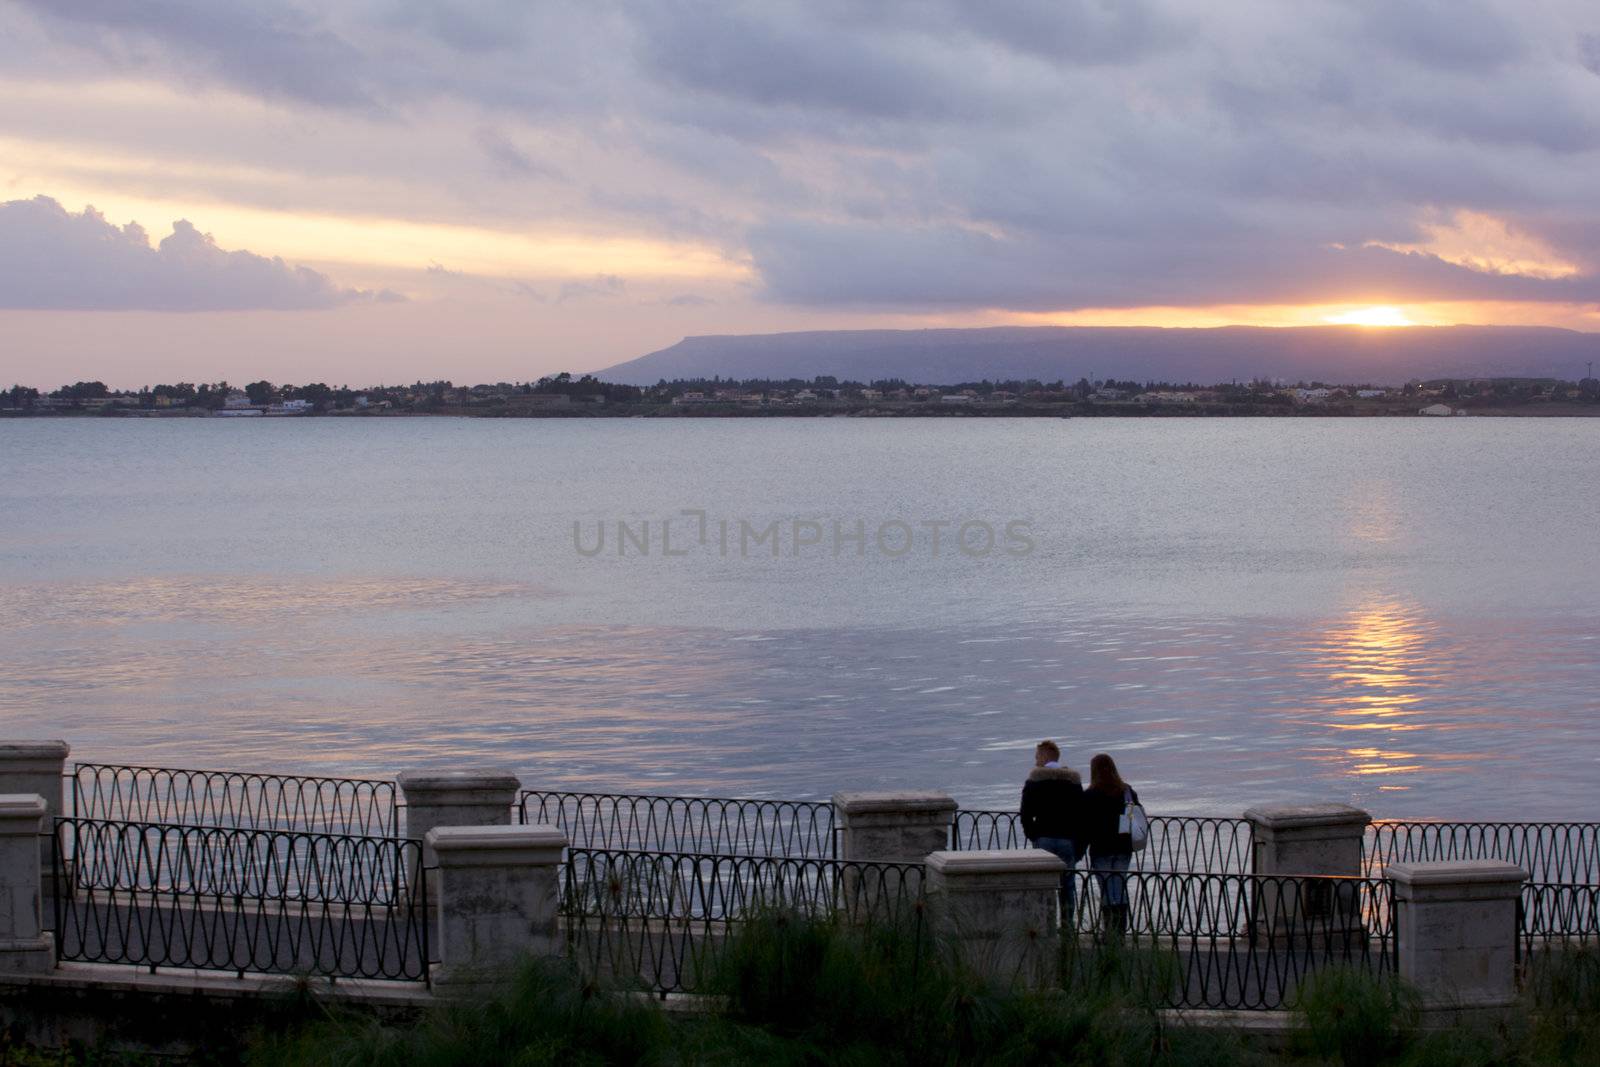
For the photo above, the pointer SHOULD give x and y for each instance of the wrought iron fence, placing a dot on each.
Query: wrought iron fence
(659, 919)
(359, 806)
(1555, 852)
(710, 825)
(1177, 842)
(1227, 941)
(239, 899)
(1558, 943)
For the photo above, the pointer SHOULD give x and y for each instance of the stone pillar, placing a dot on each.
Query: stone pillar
(1456, 931)
(474, 796)
(498, 897)
(996, 911)
(886, 828)
(30, 768)
(892, 827)
(25, 947)
(1307, 840)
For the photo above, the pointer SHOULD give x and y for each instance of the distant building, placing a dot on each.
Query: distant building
(1371, 394)
(1437, 409)
(236, 400)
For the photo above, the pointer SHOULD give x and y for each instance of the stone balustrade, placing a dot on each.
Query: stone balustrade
(25, 947)
(471, 796)
(996, 911)
(900, 827)
(36, 768)
(498, 897)
(496, 893)
(1301, 840)
(1456, 924)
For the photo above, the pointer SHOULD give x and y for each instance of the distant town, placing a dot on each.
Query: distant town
(566, 396)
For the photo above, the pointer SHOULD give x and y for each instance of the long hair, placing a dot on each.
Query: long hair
(1103, 776)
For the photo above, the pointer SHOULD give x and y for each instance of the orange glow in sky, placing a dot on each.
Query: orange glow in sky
(1382, 315)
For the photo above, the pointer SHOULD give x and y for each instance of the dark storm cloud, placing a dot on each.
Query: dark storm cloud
(56, 259)
(941, 154)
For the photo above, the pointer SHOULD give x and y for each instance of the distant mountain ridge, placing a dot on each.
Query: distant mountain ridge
(1345, 354)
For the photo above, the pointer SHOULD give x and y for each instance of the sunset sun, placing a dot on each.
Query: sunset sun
(1380, 315)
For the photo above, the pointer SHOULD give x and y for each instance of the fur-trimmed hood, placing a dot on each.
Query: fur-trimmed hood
(1046, 774)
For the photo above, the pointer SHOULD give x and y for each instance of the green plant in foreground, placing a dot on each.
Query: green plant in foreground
(1567, 1030)
(886, 995)
(544, 1014)
(805, 991)
(1356, 1018)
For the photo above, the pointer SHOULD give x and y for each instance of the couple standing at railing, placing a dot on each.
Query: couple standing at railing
(1104, 821)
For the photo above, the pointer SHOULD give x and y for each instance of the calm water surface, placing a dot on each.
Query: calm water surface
(1402, 613)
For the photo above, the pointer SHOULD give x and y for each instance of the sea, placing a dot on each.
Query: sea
(1398, 613)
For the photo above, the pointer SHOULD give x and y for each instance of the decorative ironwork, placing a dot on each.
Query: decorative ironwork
(1556, 852)
(658, 918)
(1558, 943)
(360, 806)
(1234, 941)
(710, 825)
(239, 899)
(1177, 842)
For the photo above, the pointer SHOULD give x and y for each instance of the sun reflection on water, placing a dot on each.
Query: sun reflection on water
(1380, 663)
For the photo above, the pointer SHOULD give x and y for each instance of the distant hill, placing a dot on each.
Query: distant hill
(1327, 353)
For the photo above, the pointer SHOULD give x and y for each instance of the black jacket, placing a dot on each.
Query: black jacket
(1102, 812)
(1052, 805)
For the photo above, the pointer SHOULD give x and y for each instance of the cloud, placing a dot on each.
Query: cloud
(511, 286)
(853, 266)
(275, 49)
(600, 285)
(509, 160)
(916, 155)
(51, 258)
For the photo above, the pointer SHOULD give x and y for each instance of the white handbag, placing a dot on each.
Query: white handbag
(1133, 822)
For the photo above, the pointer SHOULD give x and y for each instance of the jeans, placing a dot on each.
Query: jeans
(1109, 871)
(1068, 854)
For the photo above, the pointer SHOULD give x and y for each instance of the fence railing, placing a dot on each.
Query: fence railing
(1177, 842)
(360, 806)
(1565, 852)
(1225, 941)
(239, 899)
(1558, 944)
(709, 825)
(658, 920)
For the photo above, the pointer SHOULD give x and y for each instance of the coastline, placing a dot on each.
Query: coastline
(1409, 409)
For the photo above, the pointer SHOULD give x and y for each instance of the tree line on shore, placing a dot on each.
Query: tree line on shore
(565, 393)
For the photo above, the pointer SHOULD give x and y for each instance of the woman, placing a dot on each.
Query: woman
(1110, 846)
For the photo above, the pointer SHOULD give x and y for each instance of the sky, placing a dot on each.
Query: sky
(377, 191)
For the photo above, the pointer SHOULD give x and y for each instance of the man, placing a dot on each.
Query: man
(1052, 816)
